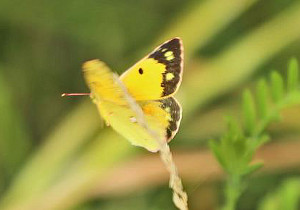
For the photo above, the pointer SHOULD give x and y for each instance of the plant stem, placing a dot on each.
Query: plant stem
(233, 192)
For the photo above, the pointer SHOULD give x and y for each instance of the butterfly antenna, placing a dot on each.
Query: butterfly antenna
(75, 94)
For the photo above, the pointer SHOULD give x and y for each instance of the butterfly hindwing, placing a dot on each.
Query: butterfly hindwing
(171, 106)
(158, 75)
(167, 111)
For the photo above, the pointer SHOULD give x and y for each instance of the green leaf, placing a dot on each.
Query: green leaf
(261, 93)
(252, 168)
(14, 139)
(290, 194)
(234, 130)
(249, 112)
(261, 141)
(292, 77)
(237, 148)
(215, 147)
(294, 98)
(277, 87)
(287, 196)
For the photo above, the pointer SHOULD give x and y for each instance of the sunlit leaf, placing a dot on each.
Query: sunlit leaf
(293, 80)
(277, 87)
(249, 112)
(261, 95)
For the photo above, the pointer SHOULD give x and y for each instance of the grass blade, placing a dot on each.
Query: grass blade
(261, 92)
(292, 82)
(277, 88)
(14, 139)
(249, 112)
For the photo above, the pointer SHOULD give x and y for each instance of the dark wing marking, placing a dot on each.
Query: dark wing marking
(171, 54)
(174, 109)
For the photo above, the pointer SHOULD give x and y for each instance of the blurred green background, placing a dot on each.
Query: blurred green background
(55, 152)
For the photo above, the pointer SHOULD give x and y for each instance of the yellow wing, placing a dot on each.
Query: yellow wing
(121, 111)
(158, 75)
(101, 82)
(165, 109)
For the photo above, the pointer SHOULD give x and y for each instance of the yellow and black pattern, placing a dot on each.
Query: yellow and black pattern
(171, 106)
(150, 85)
(171, 55)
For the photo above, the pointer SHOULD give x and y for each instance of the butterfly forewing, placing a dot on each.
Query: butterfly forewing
(170, 54)
(99, 78)
(158, 75)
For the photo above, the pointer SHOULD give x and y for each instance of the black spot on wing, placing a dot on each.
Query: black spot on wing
(175, 112)
(141, 71)
(173, 66)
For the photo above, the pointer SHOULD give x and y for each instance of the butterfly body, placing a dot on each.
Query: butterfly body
(139, 104)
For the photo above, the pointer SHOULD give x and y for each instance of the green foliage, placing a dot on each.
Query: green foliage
(287, 196)
(292, 83)
(277, 88)
(237, 146)
(14, 139)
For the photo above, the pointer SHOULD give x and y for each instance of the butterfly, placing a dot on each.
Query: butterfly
(139, 104)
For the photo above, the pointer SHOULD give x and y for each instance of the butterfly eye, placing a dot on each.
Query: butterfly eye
(141, 71)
